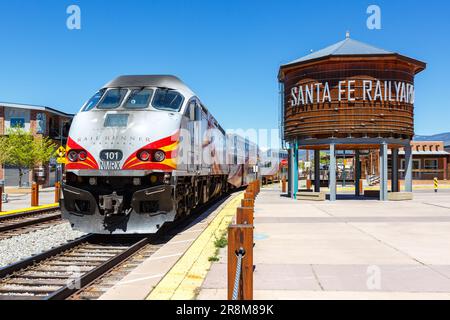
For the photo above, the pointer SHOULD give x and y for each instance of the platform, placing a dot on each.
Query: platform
(20, 199)
(349, 249)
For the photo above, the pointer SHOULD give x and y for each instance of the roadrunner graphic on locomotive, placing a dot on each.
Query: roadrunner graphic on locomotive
(144, 151)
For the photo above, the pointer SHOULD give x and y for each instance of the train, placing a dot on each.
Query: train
(144, 151)
(272, 165)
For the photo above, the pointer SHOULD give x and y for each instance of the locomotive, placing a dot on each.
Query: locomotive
(145, 151)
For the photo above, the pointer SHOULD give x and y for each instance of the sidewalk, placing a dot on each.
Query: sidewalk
(350, 249)
(19, 198)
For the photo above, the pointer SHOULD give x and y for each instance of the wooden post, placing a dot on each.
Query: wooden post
(244, 215)
(361, 188)
(34, 194)
(240, 237)
(249, 195)
(283, 185)
(248, 203)
(57, 191)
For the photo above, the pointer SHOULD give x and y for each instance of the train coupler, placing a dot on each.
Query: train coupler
(111, 204)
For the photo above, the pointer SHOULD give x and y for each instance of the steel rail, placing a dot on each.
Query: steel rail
(99, 271)
(27, 222)
(9, 270)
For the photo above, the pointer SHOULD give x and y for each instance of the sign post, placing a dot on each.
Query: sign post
(61, 153)
(436, 184)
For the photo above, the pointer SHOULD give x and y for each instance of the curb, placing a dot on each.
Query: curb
(29, 210)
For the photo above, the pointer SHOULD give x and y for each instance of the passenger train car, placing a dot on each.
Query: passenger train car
(144, 151)
(272, 165)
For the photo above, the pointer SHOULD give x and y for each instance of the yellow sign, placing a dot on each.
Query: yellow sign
(61, 152)
(61, 160)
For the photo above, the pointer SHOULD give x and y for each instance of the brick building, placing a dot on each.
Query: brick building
(430, 159)
(41, 121)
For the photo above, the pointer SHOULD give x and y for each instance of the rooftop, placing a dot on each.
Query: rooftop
(350, 47)
(35, 107)
(344, 47)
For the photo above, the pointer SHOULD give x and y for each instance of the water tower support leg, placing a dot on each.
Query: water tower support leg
(332, 175)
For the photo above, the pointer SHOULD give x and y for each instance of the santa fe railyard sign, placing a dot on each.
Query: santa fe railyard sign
(372, 90)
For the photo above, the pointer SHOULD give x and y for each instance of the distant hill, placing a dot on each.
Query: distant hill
(436, 137)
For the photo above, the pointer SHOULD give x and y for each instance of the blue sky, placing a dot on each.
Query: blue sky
(227, 51)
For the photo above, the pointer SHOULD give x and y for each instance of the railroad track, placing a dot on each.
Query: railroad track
(87, 267)
(60, 272)
(97, 288)
(21, 223)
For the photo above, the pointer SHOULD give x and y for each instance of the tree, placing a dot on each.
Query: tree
(3, 150)
(23, 150)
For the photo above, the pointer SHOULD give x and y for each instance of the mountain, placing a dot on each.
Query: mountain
(436, 137)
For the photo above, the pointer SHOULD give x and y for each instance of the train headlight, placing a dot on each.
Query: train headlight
(82, 155)
(159, 156)
(72, 156)
(144, 155)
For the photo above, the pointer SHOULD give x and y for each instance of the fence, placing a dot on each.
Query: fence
(240, 247)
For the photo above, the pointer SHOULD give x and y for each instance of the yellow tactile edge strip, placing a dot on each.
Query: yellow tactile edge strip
(186, 276)
(25, 210)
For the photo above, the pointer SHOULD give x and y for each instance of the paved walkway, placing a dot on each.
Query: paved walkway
(350, 249)
(21, 198)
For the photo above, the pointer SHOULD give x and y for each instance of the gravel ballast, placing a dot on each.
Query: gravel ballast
(24, 246)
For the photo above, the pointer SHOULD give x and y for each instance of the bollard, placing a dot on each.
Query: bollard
(1, 198)
(57, 191)
(244, 215)
(436, 184)
(249, 195)
(240, 241)
(34, 194)
(283, 185)
(308, 184)
(361, 187)
(248, 203)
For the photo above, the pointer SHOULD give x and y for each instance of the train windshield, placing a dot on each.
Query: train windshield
(93, 101)
(139, 99)
(112, 99)
(167, 99)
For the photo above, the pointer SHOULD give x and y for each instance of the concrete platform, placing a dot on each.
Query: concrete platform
(349, 249)
(21, 198)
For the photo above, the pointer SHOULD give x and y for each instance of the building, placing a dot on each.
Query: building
(350, 96)
(430, 160)
(40, 120)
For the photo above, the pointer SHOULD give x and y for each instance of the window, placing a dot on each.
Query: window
(416, 164)
(166, 99)
(116, 120)
(139, 99)
(431, 164)
(17, 123)
(93, 101)
(112, 99)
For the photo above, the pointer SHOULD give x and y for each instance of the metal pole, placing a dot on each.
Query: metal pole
(383, 172)
(343, 171)
(332, 175)
(357, 173)
(394, 174)
(295, 171)
(317, 170)
(408, 168)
